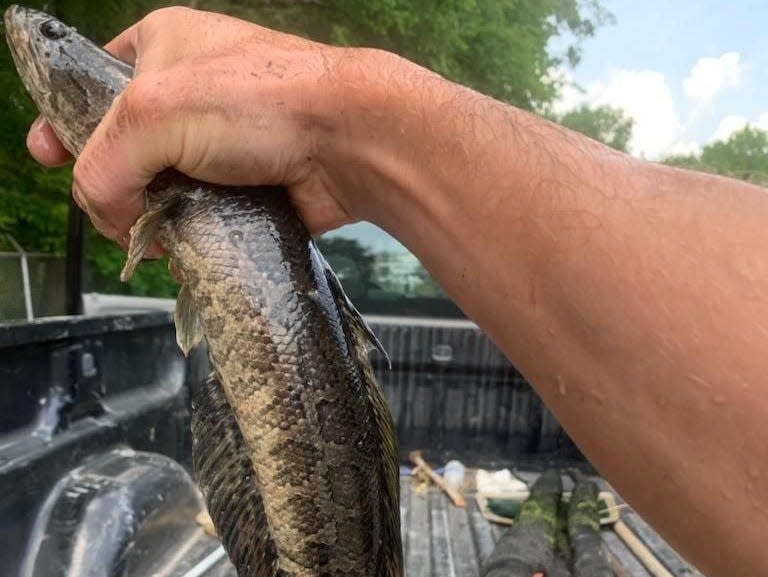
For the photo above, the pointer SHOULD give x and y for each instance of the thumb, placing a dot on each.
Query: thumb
(124, 45)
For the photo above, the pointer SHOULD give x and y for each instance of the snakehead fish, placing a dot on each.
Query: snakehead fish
(293, 443)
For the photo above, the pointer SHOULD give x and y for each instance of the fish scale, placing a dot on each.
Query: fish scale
(292, 440)
(230, 466)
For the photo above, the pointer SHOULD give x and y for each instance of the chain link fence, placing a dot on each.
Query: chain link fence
(31, 284)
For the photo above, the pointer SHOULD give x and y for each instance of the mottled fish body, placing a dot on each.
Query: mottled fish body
(293, 443)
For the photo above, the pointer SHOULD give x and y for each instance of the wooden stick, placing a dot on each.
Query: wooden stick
(640, 550)
(421, 474)
(456, 497)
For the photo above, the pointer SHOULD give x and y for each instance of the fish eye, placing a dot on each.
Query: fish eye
(53, 29)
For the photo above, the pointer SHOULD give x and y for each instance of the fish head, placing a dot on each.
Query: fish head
(33, 37)
(71, 80)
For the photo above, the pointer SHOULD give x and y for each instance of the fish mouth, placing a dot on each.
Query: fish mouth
(12, 22)
(17, 23)
(18, 20)
(21, 26)
(11, 15)
(16, 16)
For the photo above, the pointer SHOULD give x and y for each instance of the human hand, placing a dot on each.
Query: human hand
(226, 101)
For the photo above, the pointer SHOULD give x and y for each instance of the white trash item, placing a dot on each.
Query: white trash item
(494, 482)
(454, 474)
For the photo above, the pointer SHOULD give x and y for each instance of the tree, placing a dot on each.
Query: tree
(688, 161)
(743, 155)
(603, 123)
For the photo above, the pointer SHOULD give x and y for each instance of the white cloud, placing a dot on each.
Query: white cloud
(644, 96)
(734, 123)
(728, 126)
(710, 76)
(569, 95)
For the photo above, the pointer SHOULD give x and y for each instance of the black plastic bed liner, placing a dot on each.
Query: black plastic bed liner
(439, 540)
(95, 447)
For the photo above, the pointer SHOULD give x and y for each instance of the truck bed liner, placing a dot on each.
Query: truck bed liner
(74, 389)
(441, 540)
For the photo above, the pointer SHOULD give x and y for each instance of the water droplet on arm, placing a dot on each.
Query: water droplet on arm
(561, 388)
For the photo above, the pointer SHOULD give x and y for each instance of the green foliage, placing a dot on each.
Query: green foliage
(744, 155)
(689, 161)
(105, 261)
(100, 21)
(34, 200)
(603, 123)
(496, 46)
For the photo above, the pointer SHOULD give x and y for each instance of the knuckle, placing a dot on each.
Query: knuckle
(147, 120)
(142, 103)
(162, 17)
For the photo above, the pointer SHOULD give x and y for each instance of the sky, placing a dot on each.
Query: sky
(687, 71)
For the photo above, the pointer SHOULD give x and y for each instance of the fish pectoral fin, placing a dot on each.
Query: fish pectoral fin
(362, 332)
(189, 327)
(143, 234)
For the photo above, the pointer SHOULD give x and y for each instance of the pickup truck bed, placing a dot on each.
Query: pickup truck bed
(95, 447)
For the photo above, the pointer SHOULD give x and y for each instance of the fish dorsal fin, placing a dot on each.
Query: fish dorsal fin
(362, 331)
(189, 327)
(361, 340)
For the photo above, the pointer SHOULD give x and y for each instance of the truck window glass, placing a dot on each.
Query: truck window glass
(381, 276)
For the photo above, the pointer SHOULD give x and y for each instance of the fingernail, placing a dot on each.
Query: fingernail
(125, 241)
(35, 136)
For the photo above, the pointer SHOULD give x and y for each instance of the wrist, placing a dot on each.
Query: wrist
(379, 129)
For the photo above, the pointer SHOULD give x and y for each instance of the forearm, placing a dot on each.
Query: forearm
(633, 296)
